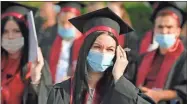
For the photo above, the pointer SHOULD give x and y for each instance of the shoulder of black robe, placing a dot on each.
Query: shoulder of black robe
(123, 92)
(60, 93)
(177, 79)
(131, 41)
(134, 59)
(37, 94)
(184, 41)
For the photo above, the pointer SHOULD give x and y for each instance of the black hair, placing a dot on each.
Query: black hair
(25, 33)
(80, 84)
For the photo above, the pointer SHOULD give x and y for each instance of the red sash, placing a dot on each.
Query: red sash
(169, 59)
(55, 54)
(146, 41)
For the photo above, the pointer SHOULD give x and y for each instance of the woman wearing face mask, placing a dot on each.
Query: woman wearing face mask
(162, 72)
(21, 83)
(101, 64)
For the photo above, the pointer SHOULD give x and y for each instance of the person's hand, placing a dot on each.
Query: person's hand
(120, 64)
(154, 94)
(36, 68)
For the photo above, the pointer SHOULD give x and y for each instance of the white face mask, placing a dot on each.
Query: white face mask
(13, 45)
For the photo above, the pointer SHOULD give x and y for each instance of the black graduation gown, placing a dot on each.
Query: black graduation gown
(132, 41)
(176, 79)
(123, 92)
(184, 41)
(38, 94)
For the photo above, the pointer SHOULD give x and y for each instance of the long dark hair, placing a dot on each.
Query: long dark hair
(80, 80)
(25, 33)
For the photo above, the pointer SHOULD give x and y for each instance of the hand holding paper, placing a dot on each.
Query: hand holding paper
(36, 68)
(35, 54)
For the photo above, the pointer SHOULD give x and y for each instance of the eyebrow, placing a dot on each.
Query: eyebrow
(96, 43)
(108, 47)
(111, 47)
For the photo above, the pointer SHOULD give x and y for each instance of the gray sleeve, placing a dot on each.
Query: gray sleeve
(125, 88)
(45, 81)
(42, 89)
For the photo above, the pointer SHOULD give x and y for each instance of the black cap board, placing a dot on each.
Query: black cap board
(170, 7)
(101, 17)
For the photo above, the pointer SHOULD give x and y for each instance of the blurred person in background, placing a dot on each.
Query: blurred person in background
(161, 73)
(48, 12)
(147, 42)
(129, 40)
(46, 19)
(21, 82)
(61, 50)
(95, 5)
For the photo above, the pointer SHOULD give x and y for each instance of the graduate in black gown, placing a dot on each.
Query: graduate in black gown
(98, 78)
(161, 73)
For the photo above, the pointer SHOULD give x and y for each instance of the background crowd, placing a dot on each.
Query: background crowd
(157, 48)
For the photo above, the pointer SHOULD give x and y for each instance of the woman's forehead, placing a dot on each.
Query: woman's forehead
(11, 24)
(105, 39)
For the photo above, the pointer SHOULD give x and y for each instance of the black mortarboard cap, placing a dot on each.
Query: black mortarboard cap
(77, 5)
(10, 6)
(169, 6)
(102, 17)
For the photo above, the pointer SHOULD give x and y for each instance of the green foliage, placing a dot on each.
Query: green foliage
(139, 15)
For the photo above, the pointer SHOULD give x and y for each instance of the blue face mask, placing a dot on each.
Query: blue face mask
(165, 40)
(56, 8)
(99, 62)
(66, 33)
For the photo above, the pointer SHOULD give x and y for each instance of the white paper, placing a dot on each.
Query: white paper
(33, 41)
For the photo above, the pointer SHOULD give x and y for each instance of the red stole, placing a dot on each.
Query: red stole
(169, 59)
(12, 87)
(146, 41)
(55, 54)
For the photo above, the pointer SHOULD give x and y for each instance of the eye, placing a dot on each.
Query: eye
(160, 26)
(5, 32)
(17, 31)
(110, 49)
(96, 47)
(169, 27)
